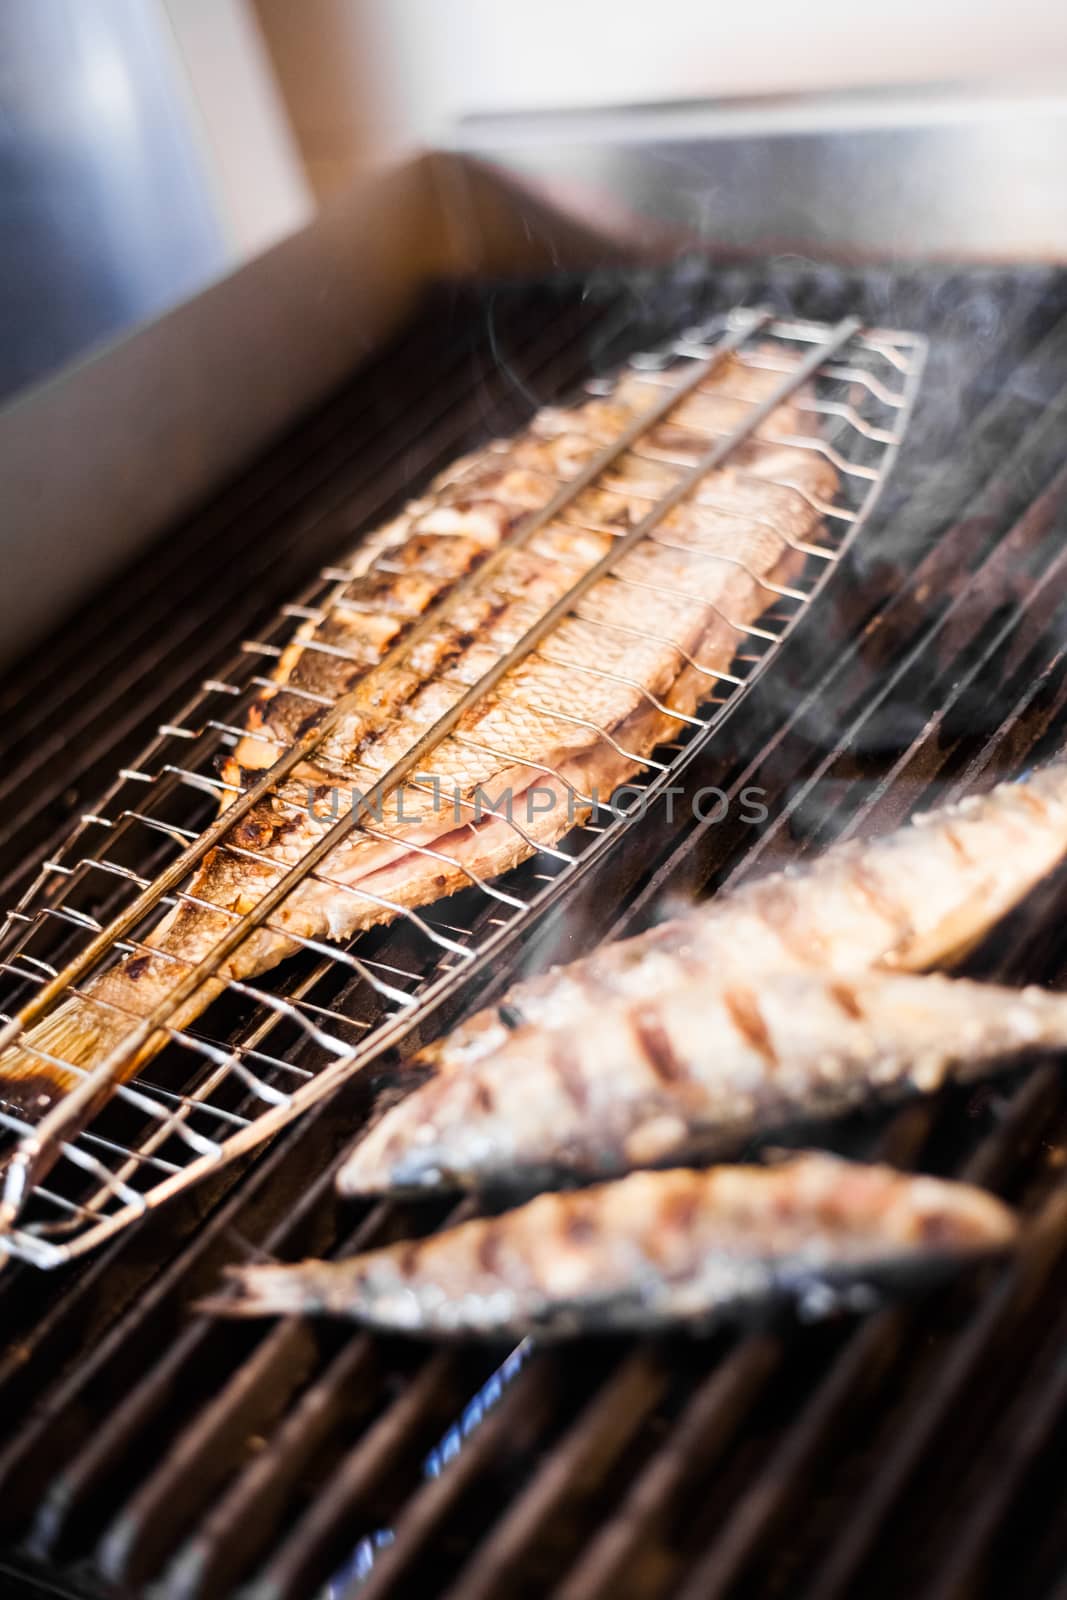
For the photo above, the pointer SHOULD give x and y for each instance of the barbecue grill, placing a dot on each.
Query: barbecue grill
(148, 1448)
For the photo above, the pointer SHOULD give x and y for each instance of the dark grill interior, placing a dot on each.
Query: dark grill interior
(908, 1451)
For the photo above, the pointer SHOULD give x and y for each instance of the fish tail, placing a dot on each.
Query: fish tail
(53, 1057)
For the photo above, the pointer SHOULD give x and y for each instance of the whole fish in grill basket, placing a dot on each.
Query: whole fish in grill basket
(608, 684)
(653, 1249)
(708, 1064)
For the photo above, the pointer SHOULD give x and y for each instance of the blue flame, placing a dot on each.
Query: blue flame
(361, 1562)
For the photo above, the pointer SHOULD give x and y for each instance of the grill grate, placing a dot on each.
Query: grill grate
(213, 1096)
(147, 1447)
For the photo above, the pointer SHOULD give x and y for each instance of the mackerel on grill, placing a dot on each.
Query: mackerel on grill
(918, 897)
(653, 1249)
(648, 641)
(707, 1064)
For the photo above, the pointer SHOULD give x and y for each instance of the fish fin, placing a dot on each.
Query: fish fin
(34, 1075)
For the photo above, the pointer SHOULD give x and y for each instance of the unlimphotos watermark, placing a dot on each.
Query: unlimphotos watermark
(427, 794)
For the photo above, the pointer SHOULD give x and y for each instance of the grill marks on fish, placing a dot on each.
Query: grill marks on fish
(655, 1041)
(743, 1007)
(909, 900)
(846, 998)
(648, 1250)
(701, 1065)
(548, 712)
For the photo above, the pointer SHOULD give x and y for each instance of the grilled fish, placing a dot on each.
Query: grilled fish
(706, 1063)
(589, 705)
(675, 1247)
(912, 899)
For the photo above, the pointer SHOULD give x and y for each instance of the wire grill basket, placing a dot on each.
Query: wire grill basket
(270, 1048)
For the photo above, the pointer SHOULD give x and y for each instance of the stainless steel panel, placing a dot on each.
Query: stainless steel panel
(949, 176)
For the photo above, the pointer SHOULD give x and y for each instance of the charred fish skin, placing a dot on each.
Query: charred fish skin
(697, 1068)
(909, 900)
(649, 1251)
(723, 551)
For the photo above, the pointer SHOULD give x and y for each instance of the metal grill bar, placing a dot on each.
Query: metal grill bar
(701, 1437)
(1032, 1425)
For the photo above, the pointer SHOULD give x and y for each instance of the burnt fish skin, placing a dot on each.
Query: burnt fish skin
(695, 1068)
(589, 705)
(649, 1251)
(909, 900)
